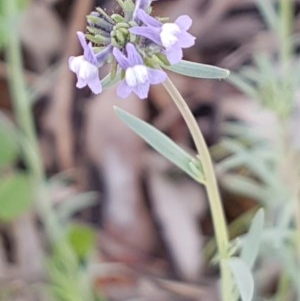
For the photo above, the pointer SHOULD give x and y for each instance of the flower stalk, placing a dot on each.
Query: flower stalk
(139, 45)
(211, 188)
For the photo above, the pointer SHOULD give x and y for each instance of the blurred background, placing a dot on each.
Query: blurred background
(131, 225)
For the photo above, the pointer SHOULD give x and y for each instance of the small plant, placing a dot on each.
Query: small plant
(138, 47)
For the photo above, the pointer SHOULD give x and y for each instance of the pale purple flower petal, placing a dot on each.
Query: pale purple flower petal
(174, 55)
(88, 52)
(171, 36)
(140, 4)
(147, 19)
(82, 40)
(143, 4)
(87, 74)
(184, 22)
(123, 90)
(94, 84)
(142, 90)
(81, 83)
(103, 54)
(133, 56)
(121, 58)
(150, 33)
(156, 76)
(186, 40)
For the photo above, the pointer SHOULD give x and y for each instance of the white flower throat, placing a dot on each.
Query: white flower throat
(136, 75)
(83, 67)
(169, 33)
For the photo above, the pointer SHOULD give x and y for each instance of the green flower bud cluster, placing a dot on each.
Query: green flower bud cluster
(103, 29)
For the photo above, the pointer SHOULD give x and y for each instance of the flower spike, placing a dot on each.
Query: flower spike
(131, 41)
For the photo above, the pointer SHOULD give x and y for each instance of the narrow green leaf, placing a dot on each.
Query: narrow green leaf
(252, 240)
(243, 278)
(15, 195)
(163, 144)
(198, 70)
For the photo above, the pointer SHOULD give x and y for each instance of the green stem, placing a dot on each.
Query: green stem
(211, 188)
(23, 113)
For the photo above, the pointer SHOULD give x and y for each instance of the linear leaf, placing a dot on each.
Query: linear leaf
(268, 12)
(198, 70)
(243, 84)
(243, 278)
(252, 240)
(245, 186)
(163, 144)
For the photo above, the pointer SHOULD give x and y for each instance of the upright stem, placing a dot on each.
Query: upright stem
(217, 212)
(22, 108)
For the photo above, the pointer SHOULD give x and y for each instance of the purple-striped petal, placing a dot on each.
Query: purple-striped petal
(150, 33)
(147, 19)
(121, 58)
(184, 22)
(156, 76)
(133, 56)
(123, 90)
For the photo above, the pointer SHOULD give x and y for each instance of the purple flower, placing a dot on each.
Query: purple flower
(138, 77)
(86, 66)
(172, 36)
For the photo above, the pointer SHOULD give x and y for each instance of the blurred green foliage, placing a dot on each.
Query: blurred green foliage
(16, 194)
(5, 23)
(82, 240)
(8, 145)
(16, 186)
